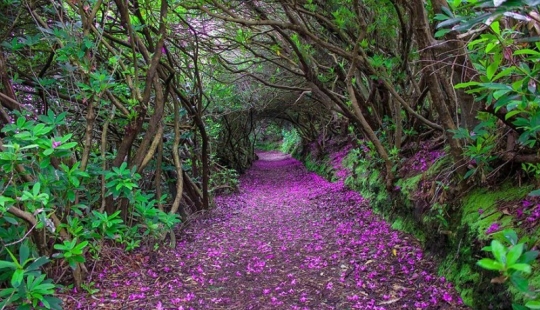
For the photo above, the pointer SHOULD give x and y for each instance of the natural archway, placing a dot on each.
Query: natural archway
(121, 121)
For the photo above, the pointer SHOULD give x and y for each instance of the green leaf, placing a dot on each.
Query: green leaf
(496, 27)
(24, 253)
(466, 84)
(469, 173)
(45, 163)
(441, 32)
(17, 277)
(449, 22)
(55, 303)
(527, 51)
(518, 307)
(61, 247)
(499, 251)
(528, 257)
(535, 193)
(31, 146)
(6, 264)
(533, 304)
(490, 264)
(48, 152)
(40, 261)
(521, 267)
(36, 188)
(20, 122)
(514, 254)
(67, 146)
(519, 282)
(504, 73)
(447, 11)
(65, 138)
(511, 236)
(511, 114)
(4, 200)
(71, 195)
(494, 86)
(499, 93)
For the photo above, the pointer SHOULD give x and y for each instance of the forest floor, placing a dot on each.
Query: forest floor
(288, 239)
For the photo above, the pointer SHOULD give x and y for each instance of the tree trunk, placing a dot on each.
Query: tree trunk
(425, 43)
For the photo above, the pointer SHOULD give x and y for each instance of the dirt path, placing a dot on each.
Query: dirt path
(288, 240)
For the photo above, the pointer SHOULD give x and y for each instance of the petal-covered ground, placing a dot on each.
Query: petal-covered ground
(288, 240)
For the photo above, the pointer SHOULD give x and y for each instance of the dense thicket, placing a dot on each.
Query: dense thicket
(121, 117)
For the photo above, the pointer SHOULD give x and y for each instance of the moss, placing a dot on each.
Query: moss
(464, 278)
(368, 182)
(320, 167)
(460, 273)
(408, 186)
(459, 266)
(409, 226)
(487, 201)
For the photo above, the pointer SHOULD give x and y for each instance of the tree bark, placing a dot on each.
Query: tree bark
(425, 44)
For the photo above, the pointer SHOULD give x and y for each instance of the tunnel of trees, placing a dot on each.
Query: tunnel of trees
(120, 119)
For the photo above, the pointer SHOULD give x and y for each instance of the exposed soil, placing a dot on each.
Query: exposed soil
(288, 240)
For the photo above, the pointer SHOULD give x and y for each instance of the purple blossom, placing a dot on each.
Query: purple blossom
(493, 228)
(447, 297)
(297, 235)
(535, 214)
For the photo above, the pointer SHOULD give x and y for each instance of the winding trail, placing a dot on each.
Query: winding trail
(288, 240)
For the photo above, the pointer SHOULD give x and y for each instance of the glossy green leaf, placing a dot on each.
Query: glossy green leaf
(499, 251)
(17, 278)
(513, 255)
(490, 264)
(521, 267)
(526, 51)
(511, 236)
(466, 84)
(533, 304)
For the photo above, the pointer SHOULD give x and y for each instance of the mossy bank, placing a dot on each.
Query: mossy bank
(451, 228)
